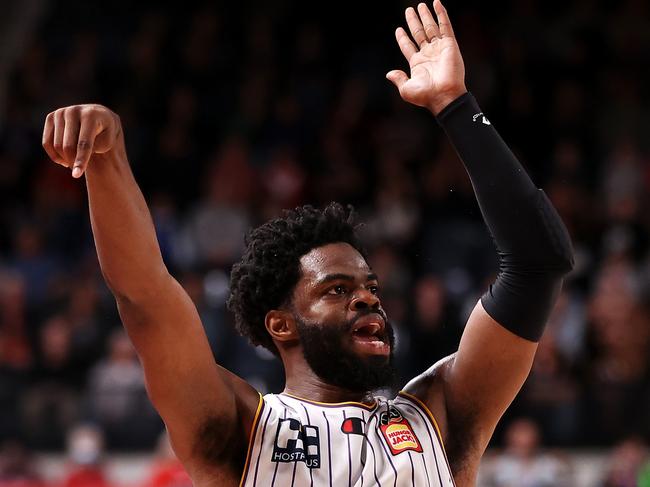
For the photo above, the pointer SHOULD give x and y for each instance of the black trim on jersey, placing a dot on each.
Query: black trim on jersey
(251, 444)
(426, 470)
(275, 472)
(329, 446)
(430, 426)
(382, 442)
(293, 475)
(363, 456)
(295, 464)
(364, 450)
(421, 407)
(257, 462)
(412, 469)
(311, 471)
(374, 459)
(349, 456)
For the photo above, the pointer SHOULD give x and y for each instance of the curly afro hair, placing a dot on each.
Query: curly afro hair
(265, 277)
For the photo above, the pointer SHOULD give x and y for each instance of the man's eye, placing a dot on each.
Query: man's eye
(338, 290)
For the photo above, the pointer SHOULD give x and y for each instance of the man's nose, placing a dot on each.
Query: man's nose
(364, 299)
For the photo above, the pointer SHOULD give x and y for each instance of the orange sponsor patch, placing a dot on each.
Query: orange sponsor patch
(399, 435)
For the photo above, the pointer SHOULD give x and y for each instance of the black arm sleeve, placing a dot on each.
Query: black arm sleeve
(533, 244)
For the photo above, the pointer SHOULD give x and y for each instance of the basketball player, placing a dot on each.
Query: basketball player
(304, 290)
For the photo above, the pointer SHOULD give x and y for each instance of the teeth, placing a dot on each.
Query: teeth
(370, 338)
(369, 329)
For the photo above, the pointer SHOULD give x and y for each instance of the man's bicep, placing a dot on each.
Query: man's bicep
(189, 390)
(488, 371)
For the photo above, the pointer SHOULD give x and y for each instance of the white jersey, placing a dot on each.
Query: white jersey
(295, 442)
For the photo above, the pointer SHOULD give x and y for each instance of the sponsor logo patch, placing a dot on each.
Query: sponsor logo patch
(295, 442)
(398, 433)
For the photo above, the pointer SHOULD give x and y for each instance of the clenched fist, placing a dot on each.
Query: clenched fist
(73, 134)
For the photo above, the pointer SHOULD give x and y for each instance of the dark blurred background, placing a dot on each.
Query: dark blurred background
(233, 111)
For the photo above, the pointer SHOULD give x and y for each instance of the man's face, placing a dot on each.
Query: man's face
(346, 338)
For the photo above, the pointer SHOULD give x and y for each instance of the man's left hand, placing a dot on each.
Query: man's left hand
(437, 69)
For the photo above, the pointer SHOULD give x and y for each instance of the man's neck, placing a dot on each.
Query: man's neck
(310, 386)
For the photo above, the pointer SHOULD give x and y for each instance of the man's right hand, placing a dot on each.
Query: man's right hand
(207, 410)
(73, 134)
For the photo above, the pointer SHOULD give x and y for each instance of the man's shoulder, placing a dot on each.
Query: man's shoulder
(456, 427)
(428, 387)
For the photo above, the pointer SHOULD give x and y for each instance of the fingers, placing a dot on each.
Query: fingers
(398, 78)
(405, 43)
(423, 27)
(428, 22)
(415, 26)
(59, 129)
(48, 140)
(70, 134)
(444, 23)
(87, 134)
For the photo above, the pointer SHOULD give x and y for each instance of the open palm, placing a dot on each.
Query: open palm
(436, 65)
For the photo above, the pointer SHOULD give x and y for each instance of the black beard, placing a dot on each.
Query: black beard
(337, 364)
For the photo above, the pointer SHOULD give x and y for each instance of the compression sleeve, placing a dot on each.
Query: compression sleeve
(532, 242)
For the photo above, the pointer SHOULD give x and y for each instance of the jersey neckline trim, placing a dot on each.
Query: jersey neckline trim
(367, 406)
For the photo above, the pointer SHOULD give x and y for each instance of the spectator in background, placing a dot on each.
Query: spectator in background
(16, 354)
(117, 397)
(34, 262)
(551, 394)
(213, 318)
(567, 326)
(433, 325)
(50, 405)
(167, 470)
(629, 465)
(208, 292)
(283, 180)
(85, 451)
(524, 464)
(393, 268)
(395, 215)
(618, 373)
(16, 467)
(90, 323)
(214, 233)
(15, 349)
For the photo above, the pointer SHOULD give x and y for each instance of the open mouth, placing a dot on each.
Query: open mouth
(369, 334)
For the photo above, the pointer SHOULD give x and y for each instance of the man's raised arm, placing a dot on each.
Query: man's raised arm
(203, 405)
(470, 390)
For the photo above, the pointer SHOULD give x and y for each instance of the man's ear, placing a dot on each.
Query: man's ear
(281, 325)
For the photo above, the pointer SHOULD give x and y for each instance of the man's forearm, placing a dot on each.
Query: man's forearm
(534, 246)
(124, 234)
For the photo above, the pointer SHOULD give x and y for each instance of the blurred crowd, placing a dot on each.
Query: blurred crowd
(522, 462)
(86, 465)
(235, 111)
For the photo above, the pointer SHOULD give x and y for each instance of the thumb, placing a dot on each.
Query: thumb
(397, 77)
